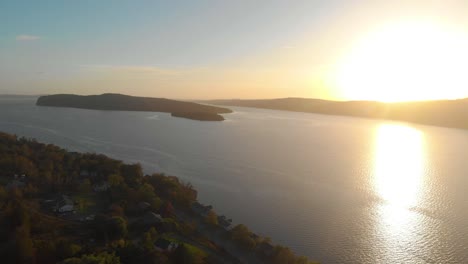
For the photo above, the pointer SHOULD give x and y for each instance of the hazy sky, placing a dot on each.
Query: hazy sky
(193, 49)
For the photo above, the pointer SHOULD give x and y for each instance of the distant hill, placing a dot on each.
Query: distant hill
(119, 102)
(445, 113)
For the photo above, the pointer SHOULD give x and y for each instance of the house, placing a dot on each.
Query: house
(64, 205)
(101, 187)
(165, 245)
(151, 218)
(225, 223)
(201, 209)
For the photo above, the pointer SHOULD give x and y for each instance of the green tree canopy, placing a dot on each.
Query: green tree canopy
(102, 258)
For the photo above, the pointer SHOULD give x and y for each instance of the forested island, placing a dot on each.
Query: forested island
(119, 102)
(72, 208)
(444, 113)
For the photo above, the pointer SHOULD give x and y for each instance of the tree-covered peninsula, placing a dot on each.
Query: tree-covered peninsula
(72, 208)
(119, 102)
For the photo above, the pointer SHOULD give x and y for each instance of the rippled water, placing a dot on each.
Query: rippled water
(337, 189)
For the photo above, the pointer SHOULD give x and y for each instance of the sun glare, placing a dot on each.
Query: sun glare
(399, 164)
(406, 62)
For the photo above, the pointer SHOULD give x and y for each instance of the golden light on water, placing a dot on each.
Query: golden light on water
(399, 164)
(407, 61)
(398, 180)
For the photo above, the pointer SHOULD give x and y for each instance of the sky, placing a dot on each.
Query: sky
(204, 49)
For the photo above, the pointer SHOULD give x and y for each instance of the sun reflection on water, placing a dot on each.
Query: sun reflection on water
(398, 180)
(399, 164)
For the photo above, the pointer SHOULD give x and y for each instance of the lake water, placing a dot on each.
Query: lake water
(337, 189)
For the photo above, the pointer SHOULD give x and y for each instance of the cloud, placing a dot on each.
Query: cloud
(27, 38)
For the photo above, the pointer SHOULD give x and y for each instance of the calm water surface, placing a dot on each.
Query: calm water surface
(337, 189)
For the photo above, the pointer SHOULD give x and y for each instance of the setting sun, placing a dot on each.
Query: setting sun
(406, 62)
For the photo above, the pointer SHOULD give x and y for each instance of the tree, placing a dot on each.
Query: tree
(85, 186)
(3, 195)
(66, 249)
(23, 246)
(116, 210)
(149, 238)
(242, 235)
(99, 226)
(285, 255)
(156, 203)
(187, 229)
(115, 180)
(130, 253)
(102, 258)
(146, 192)
(83, 204)
(186, 194)
(168, 210)
(16, 214)
(45, 251)
(184, 255)
(211, 218)
(156, 257)
(132, 174)
(117, 228)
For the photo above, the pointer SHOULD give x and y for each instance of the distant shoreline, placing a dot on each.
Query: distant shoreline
(442, 113)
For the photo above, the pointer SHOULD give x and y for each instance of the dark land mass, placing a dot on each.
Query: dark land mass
(80, 208)
(200, 116)
(444, 113)
(119, 102)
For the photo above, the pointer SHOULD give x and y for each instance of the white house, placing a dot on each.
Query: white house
(66, 208)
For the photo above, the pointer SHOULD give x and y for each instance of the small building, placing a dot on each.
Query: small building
(201, 209)
(165, 245)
